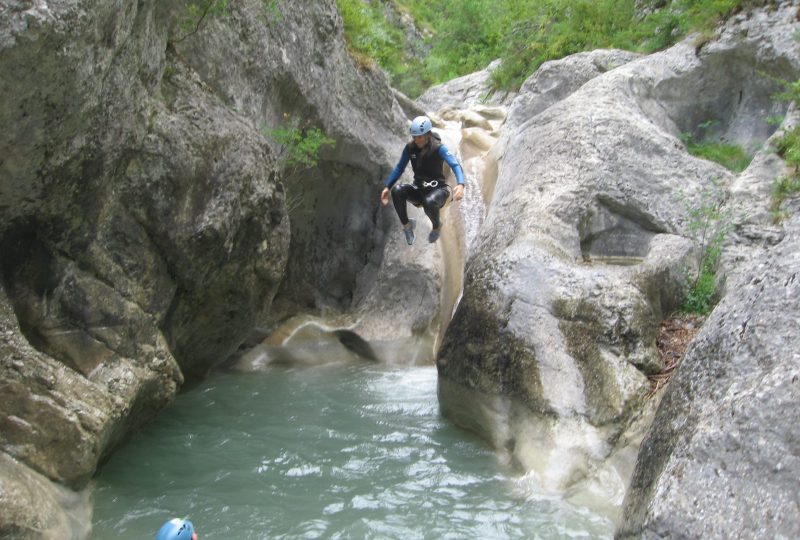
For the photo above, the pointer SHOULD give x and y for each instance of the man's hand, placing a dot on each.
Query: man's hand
(385, 196)
(458, 193)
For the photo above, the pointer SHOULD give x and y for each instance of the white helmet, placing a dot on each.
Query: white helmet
(420, 126)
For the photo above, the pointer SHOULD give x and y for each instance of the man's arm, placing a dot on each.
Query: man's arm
(451, 160)
(397, 172)
(395, 175)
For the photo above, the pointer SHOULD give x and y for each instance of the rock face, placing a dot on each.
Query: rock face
(348, 271)
(464, 92)
(149, 220)
(586, 238)
(293, 71)
(721, 460)
(144, 222)
(133, 203)
(554, 81)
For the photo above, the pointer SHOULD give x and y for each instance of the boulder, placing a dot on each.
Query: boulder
(31, 506)
(464, 92)
(147, 220)
(555, 80)
(721, 458)
(56, 425)
(586, 241)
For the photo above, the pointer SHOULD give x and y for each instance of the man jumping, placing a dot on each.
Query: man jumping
(427, 156)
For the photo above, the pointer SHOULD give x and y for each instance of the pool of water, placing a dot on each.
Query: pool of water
(348, 451)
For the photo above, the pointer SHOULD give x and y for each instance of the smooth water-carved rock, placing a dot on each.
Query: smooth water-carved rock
(465, 92)
(31, 506)
(60, 422)
(555, 80)
(581, 254)
(721, 459)
(143, 213)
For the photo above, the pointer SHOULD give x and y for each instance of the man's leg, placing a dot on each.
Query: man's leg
(402, 193)
(434, 200)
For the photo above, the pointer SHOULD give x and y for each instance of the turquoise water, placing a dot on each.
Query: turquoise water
(348, 451)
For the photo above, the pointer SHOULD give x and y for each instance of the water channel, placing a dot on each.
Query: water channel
(338, 451)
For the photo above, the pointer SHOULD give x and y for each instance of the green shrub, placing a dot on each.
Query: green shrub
(466, 35)
(710, 221)
(783, 188)
(730, 156)
(371, 37)
(299, 148)
(197, 13)
(700, 297)
(298, 151)
(788, 147)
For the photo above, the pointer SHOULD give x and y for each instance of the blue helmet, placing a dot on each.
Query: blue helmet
(420, 126)
(176, 529)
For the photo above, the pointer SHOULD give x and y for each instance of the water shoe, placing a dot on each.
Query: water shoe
(409, 231)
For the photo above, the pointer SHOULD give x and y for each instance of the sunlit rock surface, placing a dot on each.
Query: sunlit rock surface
(721, 460)
(147, 225)
(465, 92)
(586, 239)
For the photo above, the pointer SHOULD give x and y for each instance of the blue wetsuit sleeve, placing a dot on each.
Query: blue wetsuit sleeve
(451, 160)
(398, 169)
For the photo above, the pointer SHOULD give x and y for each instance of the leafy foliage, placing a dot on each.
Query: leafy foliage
(730, 156)
(700, 295)
(373, 38)
(709, 224)
(783, 188)
(788, 147)
(197, 13)
(299, 147)
(465, 36)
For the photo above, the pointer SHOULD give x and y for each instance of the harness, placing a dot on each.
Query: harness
(428, 165)
(429, 184)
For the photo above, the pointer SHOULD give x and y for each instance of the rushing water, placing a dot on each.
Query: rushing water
(348, 451)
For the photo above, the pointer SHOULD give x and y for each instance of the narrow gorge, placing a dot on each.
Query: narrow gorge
(152, 233)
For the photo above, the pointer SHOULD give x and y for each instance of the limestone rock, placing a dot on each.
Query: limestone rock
(463, 92)
(62, 423)
(721, 459)
(555, 80)
(347, 258)
(548, 353)
(146, 219)
(33, 507)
